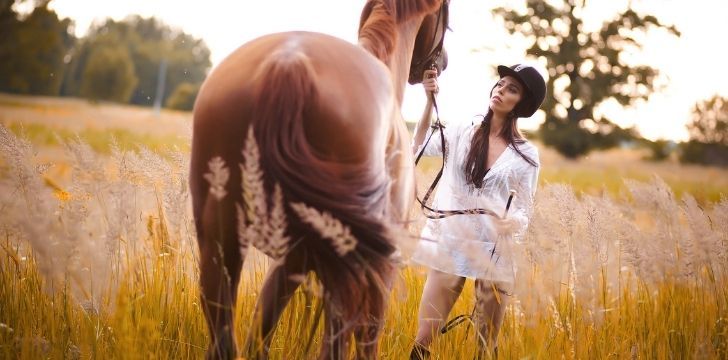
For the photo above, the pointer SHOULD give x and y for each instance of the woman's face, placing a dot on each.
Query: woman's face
(505, 95)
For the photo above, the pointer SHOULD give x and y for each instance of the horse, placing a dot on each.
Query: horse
(325, 116)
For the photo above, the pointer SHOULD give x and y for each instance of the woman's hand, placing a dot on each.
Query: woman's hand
(429, 81)
(505, 227)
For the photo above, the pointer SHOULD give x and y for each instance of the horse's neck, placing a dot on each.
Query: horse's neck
(399, 63)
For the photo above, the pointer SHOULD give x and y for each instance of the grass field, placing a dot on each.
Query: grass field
(98, 257)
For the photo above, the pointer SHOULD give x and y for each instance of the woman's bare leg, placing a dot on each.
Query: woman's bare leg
(491, 299)
(438, 297)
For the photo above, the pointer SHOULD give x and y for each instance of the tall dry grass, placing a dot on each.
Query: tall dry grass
(106, 268)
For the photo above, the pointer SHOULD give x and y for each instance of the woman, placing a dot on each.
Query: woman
(484, 162)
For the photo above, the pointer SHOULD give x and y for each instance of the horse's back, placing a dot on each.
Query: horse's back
(322, 110)
(347, 118)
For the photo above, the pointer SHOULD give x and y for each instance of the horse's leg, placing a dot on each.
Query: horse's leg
(220, 265)
(336, 336)
(280, 284)
(368, 332)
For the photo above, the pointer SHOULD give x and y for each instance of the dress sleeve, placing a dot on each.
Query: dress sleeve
(525, 183)
(434, 146)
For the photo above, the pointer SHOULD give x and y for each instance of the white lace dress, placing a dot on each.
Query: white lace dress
(466, 245)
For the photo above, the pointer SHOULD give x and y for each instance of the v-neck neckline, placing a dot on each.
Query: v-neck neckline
(497, 160)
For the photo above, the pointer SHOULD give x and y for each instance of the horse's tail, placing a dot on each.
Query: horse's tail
(355, 194)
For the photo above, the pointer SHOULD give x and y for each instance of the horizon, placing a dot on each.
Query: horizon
(475, 46)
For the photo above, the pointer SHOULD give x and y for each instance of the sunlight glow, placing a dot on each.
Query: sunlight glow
(475, 46)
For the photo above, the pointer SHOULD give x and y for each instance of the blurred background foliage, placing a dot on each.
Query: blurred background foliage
(586, 68)
(142, 61)
(122, 61)
(34, 47)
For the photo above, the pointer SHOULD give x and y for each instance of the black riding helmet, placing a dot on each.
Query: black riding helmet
(534, 83)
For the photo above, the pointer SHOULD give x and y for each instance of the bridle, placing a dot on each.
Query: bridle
(436, 52)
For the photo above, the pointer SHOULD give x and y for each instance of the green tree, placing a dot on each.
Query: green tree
(148, 42)
(709, 124)
(108, 75)
(80, 56)
(590, 66)
(33, 49)
(183, 97)
(659, 149)
(708, 130)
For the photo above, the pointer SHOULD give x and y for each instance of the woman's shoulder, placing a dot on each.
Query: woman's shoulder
(461, 125)
(529, 149)
(457, 128)
(526, 146)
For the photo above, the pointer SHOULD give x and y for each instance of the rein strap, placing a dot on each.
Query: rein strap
(427, 210)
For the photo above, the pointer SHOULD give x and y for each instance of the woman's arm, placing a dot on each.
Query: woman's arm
(431, 88)
(524, 181)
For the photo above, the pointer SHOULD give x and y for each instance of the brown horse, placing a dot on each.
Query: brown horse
(326, 117)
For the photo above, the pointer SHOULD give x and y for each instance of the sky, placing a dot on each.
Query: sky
(691, 66)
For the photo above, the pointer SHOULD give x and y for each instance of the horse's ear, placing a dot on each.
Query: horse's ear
(365, 13)
(407, 9)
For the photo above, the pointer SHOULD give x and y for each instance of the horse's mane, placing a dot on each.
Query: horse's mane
(379, 18)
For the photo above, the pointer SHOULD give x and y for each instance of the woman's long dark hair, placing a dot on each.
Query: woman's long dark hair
(475, 162)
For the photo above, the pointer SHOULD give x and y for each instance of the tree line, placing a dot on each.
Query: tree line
(116, 61)
(587, 68)
(122, 61)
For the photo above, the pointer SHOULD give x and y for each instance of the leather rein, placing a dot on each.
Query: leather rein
(427, 210)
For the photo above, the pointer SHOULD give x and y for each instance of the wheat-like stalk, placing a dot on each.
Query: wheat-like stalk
(18, 154)
(660, 248)
(719, 223)
(217, 177)
(706, 244)
(175, 193)
(328, 227)
(252, 182)
(275, 231)
(258, 227)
